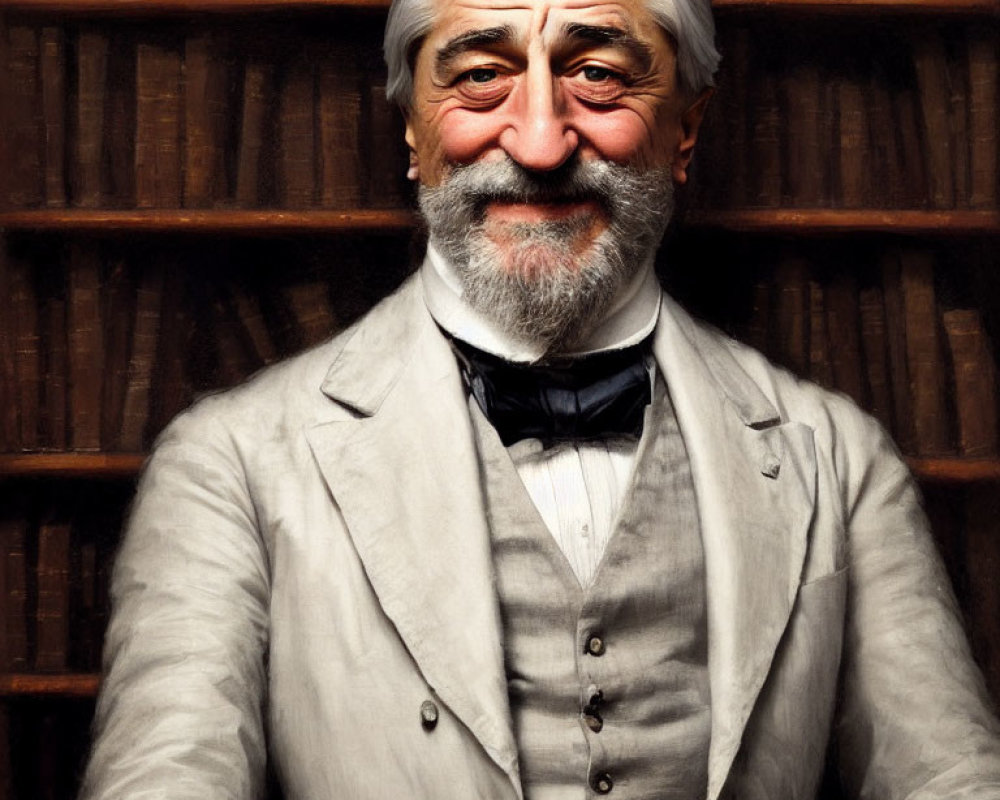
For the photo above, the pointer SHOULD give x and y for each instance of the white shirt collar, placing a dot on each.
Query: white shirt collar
(631, 319)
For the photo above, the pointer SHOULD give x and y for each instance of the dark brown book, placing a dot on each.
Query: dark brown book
(52, 615)
(10, 422)
(820, 365)
(841, 296)
(984, 107)
(888, 182)
(765, 141)
(142, 356)
(899, 369)
(172, 386)
(158, 126)
(206, 83)
(735, 189)
(85, 332)
(118, 312)
(806, 146)
(88, 127)
(258, 95)
(53, 80)
(388, 159)
(233, 361)
(23, 131)
(310, 306)
(931, 67)
(913, 166)
(924, 354)
(88, 639)
(249, 313)
(13, 539)
(54, 417)
(340, 164)
(120, 118)
(27, 352)
(958, 123)
(296, 165)
(874, 346)
(790, 341)
(975, 373)
(855, 163)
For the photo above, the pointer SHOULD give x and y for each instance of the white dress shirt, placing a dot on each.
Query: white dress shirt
(577, 488)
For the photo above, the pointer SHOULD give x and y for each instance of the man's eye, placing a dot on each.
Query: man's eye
(481, 75)
(598, 74)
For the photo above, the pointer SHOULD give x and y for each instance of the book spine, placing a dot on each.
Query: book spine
(145, 336)
(984, 107)
(92, 66)
(923, 352)
(27, 354)
(791, 345)
(205, 108)
(874, 346)
(853, 139)
(974, 372)
(820, 365)
(845, 336)
(340, 128)
(14, 535)
(957, 75)
(899, 370)
(310, 306)
(10, 417)
(23, 124)
(804, 150)
(765, 143)
(930, 65)
(388, 156)
(52, 616)
(158, 126)
(53, 80)
(119, 310)
(296, 165)
(258, 92)
(86, 347)
(247, 309)
(121, 121)
(56, 369)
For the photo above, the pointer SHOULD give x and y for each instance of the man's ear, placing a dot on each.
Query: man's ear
(413, 173)
(690, 123)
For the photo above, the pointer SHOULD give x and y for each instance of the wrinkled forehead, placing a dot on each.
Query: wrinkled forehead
(543, 21)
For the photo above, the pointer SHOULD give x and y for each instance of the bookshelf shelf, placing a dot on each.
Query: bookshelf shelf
(146, 7)
(209, 221)
(955, 470)
(71, 465)
(823, 221)
(82, 685)
(789, 221)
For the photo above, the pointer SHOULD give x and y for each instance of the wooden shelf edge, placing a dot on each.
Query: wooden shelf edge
(84, 685)
(792, 221)
(955, 469)
(209, 221)
(71, 465)
(823, 221)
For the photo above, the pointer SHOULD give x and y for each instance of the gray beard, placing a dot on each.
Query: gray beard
(534, 288)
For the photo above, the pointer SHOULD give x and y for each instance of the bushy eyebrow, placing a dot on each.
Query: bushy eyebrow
(471, 40)
(610, 36)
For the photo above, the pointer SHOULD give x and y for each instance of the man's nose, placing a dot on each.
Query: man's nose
(539, 136)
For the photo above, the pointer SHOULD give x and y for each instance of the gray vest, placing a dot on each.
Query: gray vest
(608, 685)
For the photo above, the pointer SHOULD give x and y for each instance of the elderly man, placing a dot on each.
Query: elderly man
(527, 530)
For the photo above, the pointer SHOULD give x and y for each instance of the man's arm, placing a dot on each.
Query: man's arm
(915, 717)
(181, 708)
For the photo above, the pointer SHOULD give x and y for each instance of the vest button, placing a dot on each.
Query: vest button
(595, 645)
(602, 783)
(428, 715)
(592, 719)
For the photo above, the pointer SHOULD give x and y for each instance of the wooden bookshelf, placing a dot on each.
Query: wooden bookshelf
(826, 221)
(83, 685)
(867, 7)
(112, 466)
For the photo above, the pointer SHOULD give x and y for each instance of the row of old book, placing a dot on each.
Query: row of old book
(927, 372)
(801, 123)
(99, 348)
(122, 117)
(54, 594)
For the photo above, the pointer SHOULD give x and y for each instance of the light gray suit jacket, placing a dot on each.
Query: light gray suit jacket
(307, 562)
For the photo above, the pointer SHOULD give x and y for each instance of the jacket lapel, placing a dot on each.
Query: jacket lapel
(403, 470)
(754, 479)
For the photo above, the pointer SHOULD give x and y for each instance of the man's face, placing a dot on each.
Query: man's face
(547, 135)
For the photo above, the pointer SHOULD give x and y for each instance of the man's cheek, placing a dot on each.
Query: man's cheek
(622, 136)
(468, 135)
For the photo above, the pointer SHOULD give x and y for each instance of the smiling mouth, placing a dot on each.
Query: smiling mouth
(543, 211)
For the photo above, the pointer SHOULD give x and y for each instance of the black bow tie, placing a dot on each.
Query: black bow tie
(603, 394)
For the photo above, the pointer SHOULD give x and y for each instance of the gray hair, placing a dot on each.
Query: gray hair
(689, 22)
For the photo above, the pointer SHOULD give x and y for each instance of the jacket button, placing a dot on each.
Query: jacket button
(592, 719)
(602, 783)
(428, 715)
(595, 645)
